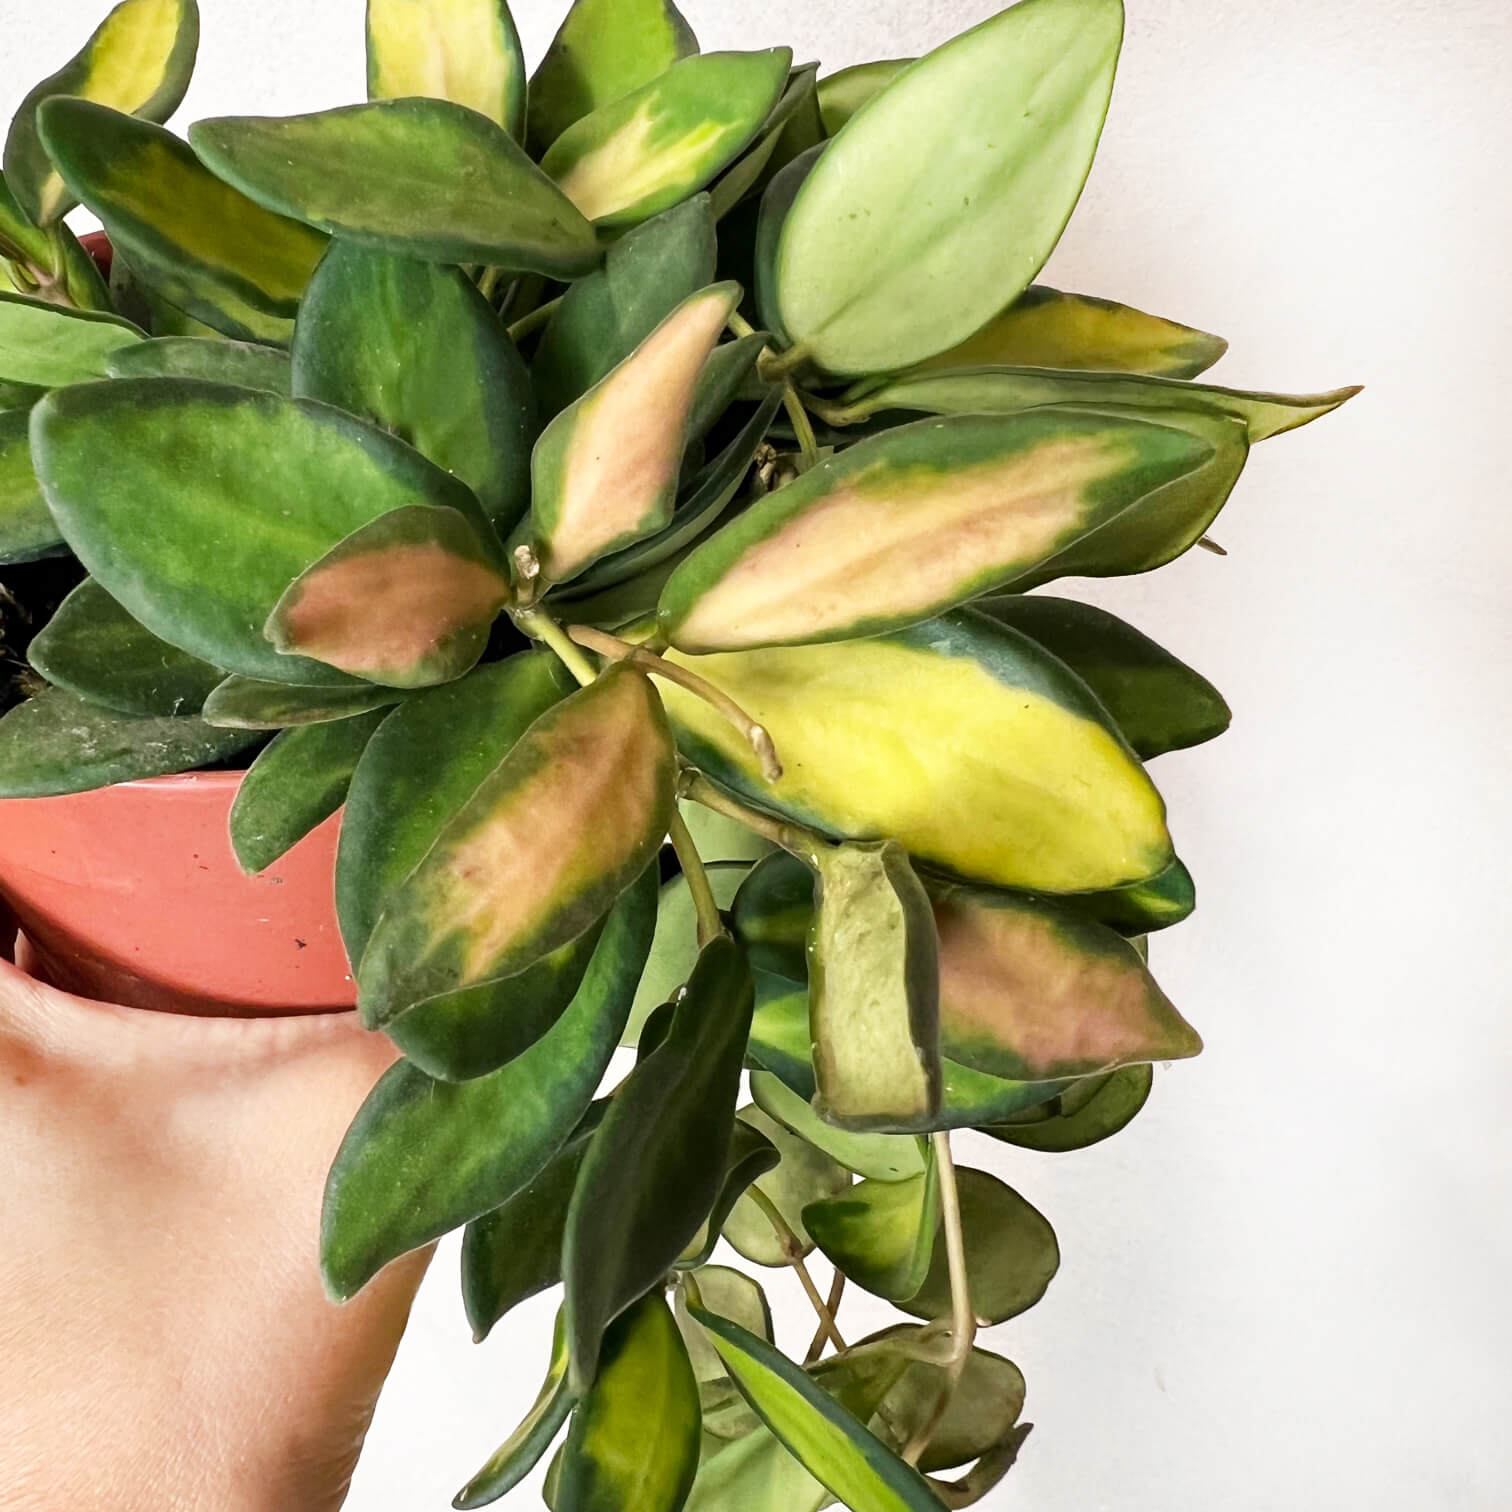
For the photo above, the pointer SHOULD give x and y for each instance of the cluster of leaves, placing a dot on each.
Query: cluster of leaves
(661, 447)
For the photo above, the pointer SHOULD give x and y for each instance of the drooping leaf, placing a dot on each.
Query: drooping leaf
(1029, 785)
(1011, 1254)
(803, 1175)
(831, 1444)
(731, 1294)
(274, 485)
(27, 528)
(842, 94)
(939, 202)
(611, 1463)
(1007, 390)
(772, 913)
(874, 991)
(246, 703)
(137, 61)
(881, 1157)
(606, 469)
(604, 317)
(917, 520)
(416, 349)
(674, 950)
(423, 178)
(1158, 702)
(92, 647)
(554, 833)
(880, 1233)
(402, 797)
(466, 51)
(1087, 1112)
(657, 1162)
(57, 743)
(295, 784)
(604, 50)
(642, 153)
(46, 346)
(406, 600)
(424, 1157)
(1046, 328)
(244, 363)
(521, 1452)
(192, 239)
(751, 1154)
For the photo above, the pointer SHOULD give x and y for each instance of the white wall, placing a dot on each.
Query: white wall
(1284, 1285)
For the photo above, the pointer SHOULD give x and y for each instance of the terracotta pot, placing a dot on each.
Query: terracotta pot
(130, 894)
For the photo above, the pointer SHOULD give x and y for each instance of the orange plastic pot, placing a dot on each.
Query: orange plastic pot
(131, 894)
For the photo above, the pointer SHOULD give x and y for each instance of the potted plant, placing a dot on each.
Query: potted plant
(618, 496)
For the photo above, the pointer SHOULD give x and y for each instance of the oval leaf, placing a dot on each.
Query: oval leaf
(942, 199)
(244, 363)
(27, 528)
(245, 703)
(882, 1157)
(880, 1233)
(1086, 1113)
(424, 178)
(647, 150)
(731, 1294)
(47, 347)
(842, 94)
(772, 913)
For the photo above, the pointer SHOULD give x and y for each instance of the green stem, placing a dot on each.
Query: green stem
(527, 325)
(808, 447)
(540, 625)
(775, 366)
(801, 842)
(705, 905)
(792, 1250)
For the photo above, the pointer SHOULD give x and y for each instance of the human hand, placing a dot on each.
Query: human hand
(164, 1339)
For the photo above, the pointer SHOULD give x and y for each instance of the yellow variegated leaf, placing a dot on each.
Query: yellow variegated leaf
(606, 469)
(466, 51)
(545, 845)
(966, 743)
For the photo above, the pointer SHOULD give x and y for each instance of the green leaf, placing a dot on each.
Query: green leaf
(423, 1157)
(611, 1463)
(776, 205)
(916, 520)
(402, 797)
(605, 470)
(751, 1154)
(554, 833)
(772, 913)
(92, 647)
(406, 600)
(836, 1449)
(1045, 328)
(674, 950)
(874, 991)
(1011, 1254)
(195, 241)
(604, 317)
(522, 1451)
(47, 347)
(1030, 785)
(57, 743)
(423, 178)
(939, 202)
(1007, 390)
(243, 363)
(604, 50)
(842, 94)
(730, 1294)
(27, 528)
(466, 51)
(642, 153)
(755, 1474)
(245, 703)
(1158, 702)
(657, 1163)
(274, 485)
(803, 1175)
(415, 349)
(1142, 907)
(137, 61)
(880, 1233)
(771, 149)
(1031, 992)
(1087, 1112)
(30, 257)
(296, 783)
(881, 1157)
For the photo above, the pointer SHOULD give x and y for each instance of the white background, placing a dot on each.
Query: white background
(1286, 1284)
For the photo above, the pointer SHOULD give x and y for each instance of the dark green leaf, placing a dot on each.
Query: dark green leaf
(244, 363)
(1088, 1111)
(880, 1233)
(245, 703)
(751, 1154)
(772, 913)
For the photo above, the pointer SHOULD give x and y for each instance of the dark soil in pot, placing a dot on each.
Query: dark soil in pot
(29, 594)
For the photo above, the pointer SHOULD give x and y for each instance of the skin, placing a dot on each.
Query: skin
(165, 1339)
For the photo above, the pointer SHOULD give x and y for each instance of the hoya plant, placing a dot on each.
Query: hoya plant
(620, 492)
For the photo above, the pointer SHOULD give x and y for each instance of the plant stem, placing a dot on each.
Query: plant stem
(540, 625)
(832, 1302)
(648, 661)
(705, 905)
(488, 281)
(526, 325)
(791, 400)
(962, 1320)
(792, 1250)
(803, 843)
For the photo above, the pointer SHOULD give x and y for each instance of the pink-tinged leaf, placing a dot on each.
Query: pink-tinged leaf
(406, 601)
